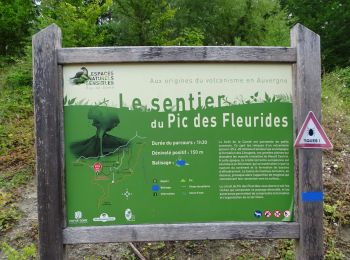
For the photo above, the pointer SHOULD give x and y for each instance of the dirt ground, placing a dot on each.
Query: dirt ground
(25, 232)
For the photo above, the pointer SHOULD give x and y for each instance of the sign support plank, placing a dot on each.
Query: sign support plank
(195, 231)
(48, 109)
(307, 97)
(176, 54)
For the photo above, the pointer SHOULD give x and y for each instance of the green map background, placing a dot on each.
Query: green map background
(137, 175)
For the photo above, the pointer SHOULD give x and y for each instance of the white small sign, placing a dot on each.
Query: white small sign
(312, 134)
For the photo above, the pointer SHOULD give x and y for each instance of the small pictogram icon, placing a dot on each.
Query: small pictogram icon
(258, 214)
(286, 213)
(97, 167)
(277, 213)
(267, 213)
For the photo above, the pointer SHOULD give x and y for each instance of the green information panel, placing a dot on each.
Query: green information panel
(178, 143)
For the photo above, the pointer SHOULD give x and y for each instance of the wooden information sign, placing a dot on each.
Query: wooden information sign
(176, 143)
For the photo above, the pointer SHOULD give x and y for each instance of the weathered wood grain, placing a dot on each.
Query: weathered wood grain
(307, 97)
(196, 231)
(176, 54)
(48, 114)
(61, 139)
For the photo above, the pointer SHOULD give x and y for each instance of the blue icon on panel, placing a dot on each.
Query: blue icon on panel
(180, 163)
(258, 214)
(155, 187)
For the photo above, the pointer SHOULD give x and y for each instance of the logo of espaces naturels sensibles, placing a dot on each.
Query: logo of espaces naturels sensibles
(78, 218)
(103, 218)
(95, 78)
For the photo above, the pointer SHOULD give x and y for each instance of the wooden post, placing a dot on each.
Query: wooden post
(307, 97)
(48, 124)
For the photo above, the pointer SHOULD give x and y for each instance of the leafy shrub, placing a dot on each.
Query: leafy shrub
(20, 74)
(8, 216)
(338, 82)
(27, 252)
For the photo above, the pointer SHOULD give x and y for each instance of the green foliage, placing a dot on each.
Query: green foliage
(15, 123)
(336, 90)
(197, 22)
(150, 22)
(227, 22)
(334, 254)
(249, 257)
(69, 102)
(272, 99)
(21, 73)
(17, 18)
(336, 120)
(27, 252)
(331, 20)
(276, 31)
(143, 22)
(79, 20)
(16, 140)
(158, 250)
(11, 179)
(188, 37)
(74, 101)
(331, 211)
(332, 247)
(129, 255)
(287, 249)
(344, 75)
(8, 216)
(255, 98)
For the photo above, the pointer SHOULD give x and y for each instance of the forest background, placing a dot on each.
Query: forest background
(165, 23)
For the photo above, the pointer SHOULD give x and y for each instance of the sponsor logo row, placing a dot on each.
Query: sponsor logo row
(103, 217)
(269, 214)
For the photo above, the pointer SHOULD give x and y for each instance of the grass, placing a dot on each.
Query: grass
(25, 253)
(336, 120)
(16, 140)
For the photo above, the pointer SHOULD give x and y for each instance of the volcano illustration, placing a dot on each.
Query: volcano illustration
(102, 144)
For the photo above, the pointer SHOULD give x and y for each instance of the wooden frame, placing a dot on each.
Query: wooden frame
(48, 58)
(176, 54)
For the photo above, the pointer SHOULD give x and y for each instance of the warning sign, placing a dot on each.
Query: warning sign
(312, 134)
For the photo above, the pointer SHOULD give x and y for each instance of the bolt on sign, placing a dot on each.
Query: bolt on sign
(174, 143)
